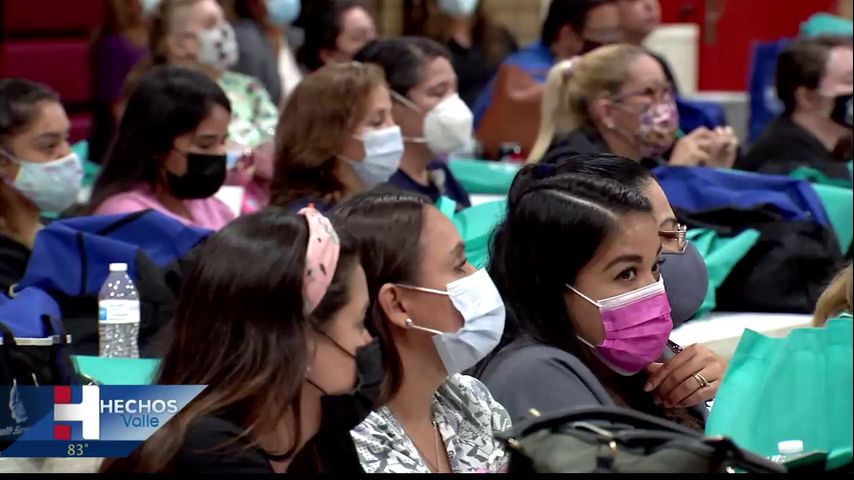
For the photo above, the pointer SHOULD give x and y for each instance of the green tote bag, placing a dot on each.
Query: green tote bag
(793, 388)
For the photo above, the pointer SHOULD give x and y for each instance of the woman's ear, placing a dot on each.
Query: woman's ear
(391, 303)
(601, 111)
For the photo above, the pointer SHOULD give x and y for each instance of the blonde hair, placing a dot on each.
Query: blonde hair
(571, 86)
(836, 299)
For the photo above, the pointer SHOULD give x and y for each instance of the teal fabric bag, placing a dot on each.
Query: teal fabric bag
(721, 255)
(475, 225)
(793, 388)
(481, 176)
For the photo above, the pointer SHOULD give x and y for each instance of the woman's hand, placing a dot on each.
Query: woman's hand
(690, 378)
(724, 149)
(694, 149)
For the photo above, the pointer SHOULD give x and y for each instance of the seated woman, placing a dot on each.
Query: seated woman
(271, 331)
(337, 137)
(38, 170)
(435, 316)
(478, 44)
(683, 268)
(616, 99)
(195, 34)
(118, 46)
(577, 261)
(169, 151)
(434, 120)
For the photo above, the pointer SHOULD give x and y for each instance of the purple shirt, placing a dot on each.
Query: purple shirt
(115, 56)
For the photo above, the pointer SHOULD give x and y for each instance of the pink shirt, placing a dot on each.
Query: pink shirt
(208, 213)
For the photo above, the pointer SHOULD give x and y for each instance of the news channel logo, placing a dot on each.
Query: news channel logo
(86, 420)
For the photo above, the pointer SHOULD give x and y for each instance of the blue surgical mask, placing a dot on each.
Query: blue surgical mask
(283, 12)
(478, 301)
(383, 151)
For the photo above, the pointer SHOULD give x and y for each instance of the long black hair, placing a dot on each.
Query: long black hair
(240, 329)
(553, 228)
(168, 102)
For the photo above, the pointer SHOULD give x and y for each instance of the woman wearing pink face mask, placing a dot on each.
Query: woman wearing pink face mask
(616, 99)
(588, 320)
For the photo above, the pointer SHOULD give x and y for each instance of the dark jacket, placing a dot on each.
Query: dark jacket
(13, 263)
(581, 142)
(474, 68)
(784, 146)
(442, 182)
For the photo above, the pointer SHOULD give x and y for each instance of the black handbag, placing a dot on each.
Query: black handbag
(616, 440)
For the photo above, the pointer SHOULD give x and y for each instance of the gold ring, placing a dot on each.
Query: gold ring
(701, 380)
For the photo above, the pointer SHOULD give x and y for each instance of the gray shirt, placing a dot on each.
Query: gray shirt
(527, 375)
(257, 57)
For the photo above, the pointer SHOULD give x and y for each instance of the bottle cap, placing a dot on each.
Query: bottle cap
(790, 447)
(118, 267)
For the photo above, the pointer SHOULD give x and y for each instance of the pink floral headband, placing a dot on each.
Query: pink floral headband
(321, 258)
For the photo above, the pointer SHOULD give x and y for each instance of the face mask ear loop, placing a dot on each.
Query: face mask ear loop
(593, 302)
(415, 108)
(411, 325)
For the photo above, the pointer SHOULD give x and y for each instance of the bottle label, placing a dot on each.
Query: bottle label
(118, 311)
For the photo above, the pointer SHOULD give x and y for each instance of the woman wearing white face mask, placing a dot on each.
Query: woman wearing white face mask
(195, 34)
(435, 122)
(38, 170)
(337, 138)
(435, 316)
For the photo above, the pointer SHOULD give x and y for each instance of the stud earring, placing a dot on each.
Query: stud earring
(408, 323)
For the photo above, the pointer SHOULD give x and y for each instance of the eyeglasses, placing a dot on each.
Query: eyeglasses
(662, 93)
(674, 241)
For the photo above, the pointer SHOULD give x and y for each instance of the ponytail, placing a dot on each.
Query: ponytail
(554, 112)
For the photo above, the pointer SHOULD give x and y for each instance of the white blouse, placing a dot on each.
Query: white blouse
(467, 417)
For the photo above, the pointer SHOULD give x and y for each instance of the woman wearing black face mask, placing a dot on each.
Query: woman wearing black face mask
(169, 153)
(273, 333)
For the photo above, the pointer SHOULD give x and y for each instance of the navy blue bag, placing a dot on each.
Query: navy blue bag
(698, 189)
(797, 252)
(33, 343)
(71, 258)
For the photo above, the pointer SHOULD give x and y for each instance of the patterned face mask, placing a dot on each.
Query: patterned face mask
(218, 47)
(656, 132)
(657, 127)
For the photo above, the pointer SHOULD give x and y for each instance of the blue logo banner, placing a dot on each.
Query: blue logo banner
(87, 420)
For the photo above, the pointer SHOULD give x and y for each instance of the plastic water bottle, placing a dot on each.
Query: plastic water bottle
(118, 306)
(788, 449)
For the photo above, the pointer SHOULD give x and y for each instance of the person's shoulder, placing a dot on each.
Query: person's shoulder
(134, 200)
(213, 444)
(375, 430)
(466, 388)
(529, 362)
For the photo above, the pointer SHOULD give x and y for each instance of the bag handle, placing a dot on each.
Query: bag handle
(608, 414)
